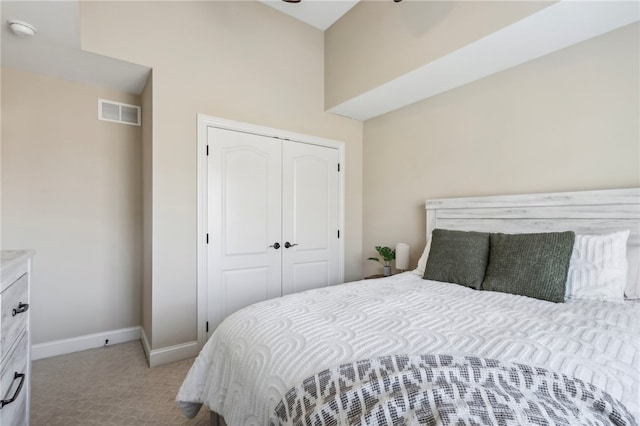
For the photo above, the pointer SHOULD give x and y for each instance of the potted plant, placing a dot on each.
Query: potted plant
(387, 254)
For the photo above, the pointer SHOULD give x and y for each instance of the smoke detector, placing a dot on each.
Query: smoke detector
(21, 28)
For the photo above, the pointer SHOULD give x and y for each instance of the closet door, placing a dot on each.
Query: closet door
(309, 217)
(244, 220)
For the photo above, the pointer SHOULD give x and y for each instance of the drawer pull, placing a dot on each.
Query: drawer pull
(22, 307)
(16, 376)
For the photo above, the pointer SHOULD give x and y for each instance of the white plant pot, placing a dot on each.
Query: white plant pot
(387, 271)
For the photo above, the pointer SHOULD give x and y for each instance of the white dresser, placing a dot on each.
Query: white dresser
(15, 339)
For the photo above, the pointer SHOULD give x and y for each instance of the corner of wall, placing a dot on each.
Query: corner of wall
(147, 217)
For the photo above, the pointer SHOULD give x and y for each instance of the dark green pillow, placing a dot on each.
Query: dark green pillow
(533, 265)
(458, 257)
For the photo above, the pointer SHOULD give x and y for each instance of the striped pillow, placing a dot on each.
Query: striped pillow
(598, 267)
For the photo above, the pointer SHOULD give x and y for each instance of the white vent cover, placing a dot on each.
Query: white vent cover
(118, 112)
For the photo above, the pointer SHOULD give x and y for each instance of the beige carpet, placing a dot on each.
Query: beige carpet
(108, 386)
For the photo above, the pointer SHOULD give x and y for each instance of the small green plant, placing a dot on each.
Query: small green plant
(387, 254)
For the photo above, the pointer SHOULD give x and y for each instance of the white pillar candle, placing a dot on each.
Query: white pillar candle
(402, 256)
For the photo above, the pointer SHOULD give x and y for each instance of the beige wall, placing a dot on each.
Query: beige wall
(377, 41)
(566, 121)
(72, 192)
(237, 60)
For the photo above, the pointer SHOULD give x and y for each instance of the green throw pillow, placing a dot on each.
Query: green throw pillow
(533, 265)
(458, 257)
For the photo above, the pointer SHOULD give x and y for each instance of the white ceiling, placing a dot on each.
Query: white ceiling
(556, 27)
(55, 49)
(317, 13)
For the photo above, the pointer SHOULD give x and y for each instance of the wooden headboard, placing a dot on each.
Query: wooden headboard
(584, 212)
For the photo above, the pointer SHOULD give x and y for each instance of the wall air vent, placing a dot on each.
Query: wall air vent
(118, 112)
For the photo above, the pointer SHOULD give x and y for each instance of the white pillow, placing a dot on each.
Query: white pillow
(422, 262)
(598, 267)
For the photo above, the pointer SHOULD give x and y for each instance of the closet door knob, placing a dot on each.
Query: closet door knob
(288, 244)
(275, 246)
(22, 307)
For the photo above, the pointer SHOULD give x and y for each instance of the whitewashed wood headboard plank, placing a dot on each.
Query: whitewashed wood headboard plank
(577, 198)
(520, 225)
(584, 212)
(622, 211)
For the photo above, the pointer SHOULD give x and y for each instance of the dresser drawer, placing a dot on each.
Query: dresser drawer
(14, 385)
(14, 313)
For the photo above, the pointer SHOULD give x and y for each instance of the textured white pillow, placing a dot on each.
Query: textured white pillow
(598, 267)
(422, 262)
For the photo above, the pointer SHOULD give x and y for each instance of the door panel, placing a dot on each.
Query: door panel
(309, 216)
(245, 191)
(243, 287)
(307, 276)
(244, 219)
(311, 202)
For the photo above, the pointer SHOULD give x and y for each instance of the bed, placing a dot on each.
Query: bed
(380, 351)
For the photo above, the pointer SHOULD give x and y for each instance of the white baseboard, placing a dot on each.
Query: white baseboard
(169, 354)
(155, 357)
(82, 343)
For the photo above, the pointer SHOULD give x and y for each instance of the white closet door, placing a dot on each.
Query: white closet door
(244, 220)
(309, 217)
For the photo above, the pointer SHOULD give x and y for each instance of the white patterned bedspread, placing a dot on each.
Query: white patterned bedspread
(258, 353)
